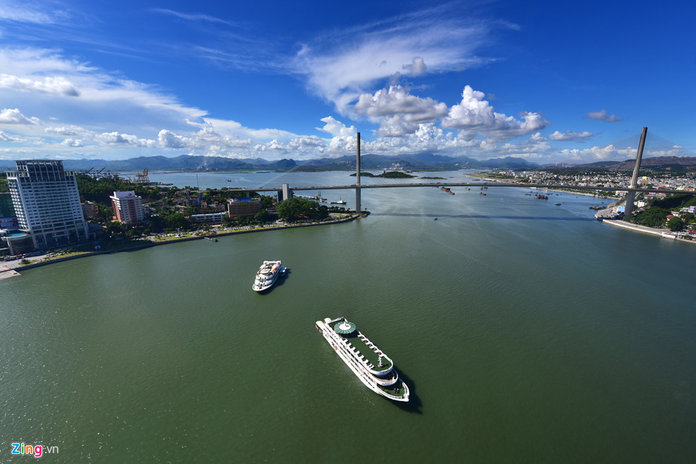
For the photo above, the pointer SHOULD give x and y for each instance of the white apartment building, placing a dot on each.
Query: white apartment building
(128, 207)
(47, 203)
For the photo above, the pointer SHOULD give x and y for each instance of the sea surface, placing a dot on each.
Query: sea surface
(527, 331)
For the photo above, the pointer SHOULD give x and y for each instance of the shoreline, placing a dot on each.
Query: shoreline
(13, 272)
(585, 194)
(662, 233)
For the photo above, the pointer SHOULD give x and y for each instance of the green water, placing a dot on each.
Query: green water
(527, 332)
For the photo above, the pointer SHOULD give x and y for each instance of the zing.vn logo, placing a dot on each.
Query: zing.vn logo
(32, 450)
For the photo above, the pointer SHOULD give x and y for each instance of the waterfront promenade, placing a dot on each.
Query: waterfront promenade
(663, 233)
(9, 269)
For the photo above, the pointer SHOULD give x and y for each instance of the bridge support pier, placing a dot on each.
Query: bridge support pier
(631, 194)
(285, 192)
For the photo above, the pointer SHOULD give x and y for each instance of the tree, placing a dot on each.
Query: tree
(262, 216)
(266, 202)
(675, 224)
(651, 217)
(299, 208)
(177, 221)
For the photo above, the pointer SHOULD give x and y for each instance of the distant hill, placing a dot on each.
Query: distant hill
(420, 162)
(627, 165)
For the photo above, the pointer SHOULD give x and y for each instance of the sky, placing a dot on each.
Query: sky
(550, 82)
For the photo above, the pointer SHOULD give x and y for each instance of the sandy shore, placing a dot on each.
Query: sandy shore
(522, 185)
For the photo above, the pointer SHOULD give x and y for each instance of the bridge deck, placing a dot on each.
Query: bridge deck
(468, 184)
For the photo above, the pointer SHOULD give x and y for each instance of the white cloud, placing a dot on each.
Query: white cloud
(603, 116)
(69, 131)
(116, 138)
(417, 67)
(191, 16)
(53, 85)
(168, 139)
(206, 141)
(346, 64)
(590, 155)
(399, 112)
(14, 116)
(5, 137)
(476, 115)
(96, 96)
(569, 135)
(26, 12)
(336, 128)
(75, 143)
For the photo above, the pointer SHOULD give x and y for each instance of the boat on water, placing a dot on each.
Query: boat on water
(212, 239)
(267, 275)
(339, 202)
(374, 368)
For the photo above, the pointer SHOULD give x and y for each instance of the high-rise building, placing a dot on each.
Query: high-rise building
(47, 203)
(128, 207)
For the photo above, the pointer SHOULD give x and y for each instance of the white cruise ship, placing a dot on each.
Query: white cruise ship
(267, 275)
(374, 368)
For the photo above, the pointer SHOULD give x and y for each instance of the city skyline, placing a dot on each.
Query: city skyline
(538, 81)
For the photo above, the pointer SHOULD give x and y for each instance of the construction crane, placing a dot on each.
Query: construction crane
(141, 177)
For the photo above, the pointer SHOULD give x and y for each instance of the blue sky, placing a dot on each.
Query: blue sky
(546, 81)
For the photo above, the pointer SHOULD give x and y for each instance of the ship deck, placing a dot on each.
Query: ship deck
(396, 390)
(369, 354)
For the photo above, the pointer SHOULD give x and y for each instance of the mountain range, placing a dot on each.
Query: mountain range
(425, 162)
(420, 162)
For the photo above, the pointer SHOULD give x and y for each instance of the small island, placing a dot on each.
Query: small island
(387, 175)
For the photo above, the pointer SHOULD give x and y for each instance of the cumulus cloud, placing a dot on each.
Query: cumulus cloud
(168, 139)
(569, 135)
(417, 67)
(116, 138)
(346, 64)
(14, 116)
(596, 153)
(206, 141)
(603, 116)
(336, 128)
(399, 112)
(476, 115)
(75, 143)
(57, 85)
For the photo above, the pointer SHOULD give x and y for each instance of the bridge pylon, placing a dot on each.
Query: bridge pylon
(357, 178)
(631, 194)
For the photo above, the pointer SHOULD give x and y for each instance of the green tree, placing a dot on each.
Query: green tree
(675, 224)
(266, 201)
(651, 217)
(293, 209)
(177, 221)
(262, 217)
